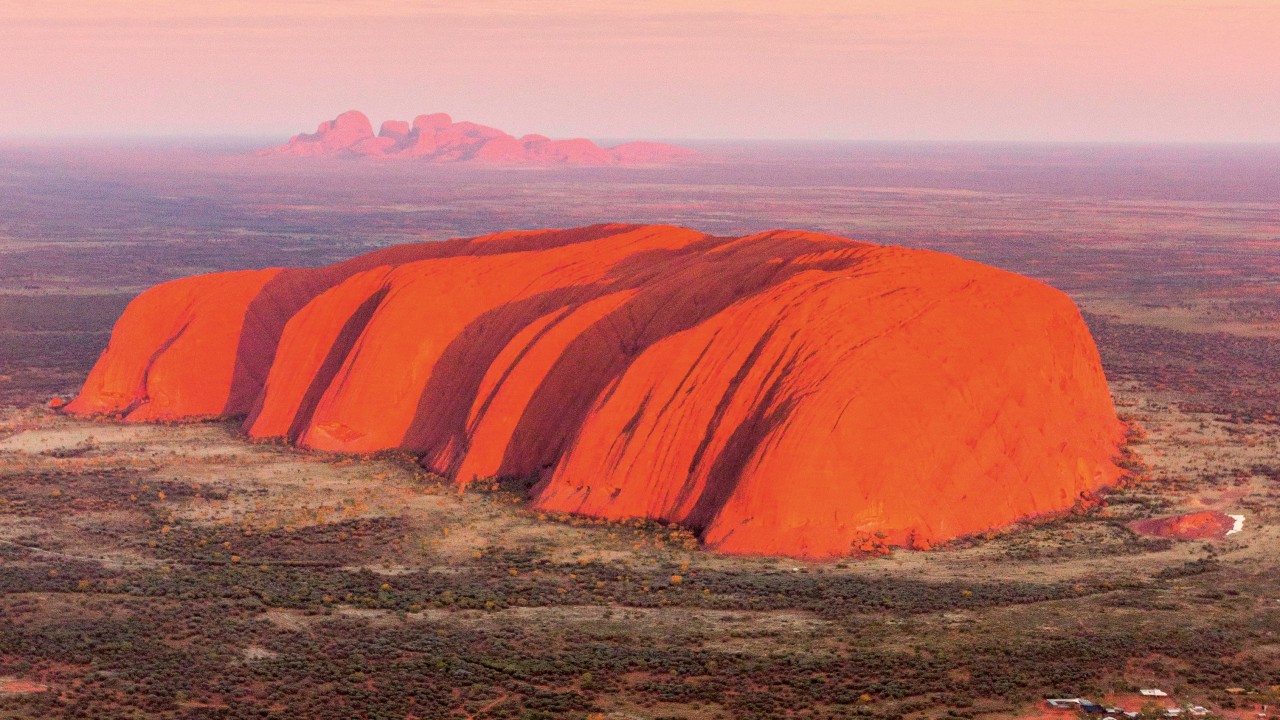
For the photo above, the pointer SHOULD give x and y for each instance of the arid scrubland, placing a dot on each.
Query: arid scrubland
(165, 571)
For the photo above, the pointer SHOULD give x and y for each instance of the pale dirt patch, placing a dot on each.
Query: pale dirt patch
(114, 558)
(380, 569)
(727, 631)
(375, 616)
(43, 440)
(19, 686)
(1198, 315)
(291, 620)
(257, 652)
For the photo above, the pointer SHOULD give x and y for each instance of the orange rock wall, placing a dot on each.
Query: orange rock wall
(782, 393)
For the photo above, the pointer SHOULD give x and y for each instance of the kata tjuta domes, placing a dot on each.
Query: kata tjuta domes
(437, 138)
(782, 393)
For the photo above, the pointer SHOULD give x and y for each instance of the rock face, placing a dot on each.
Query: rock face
(781, 393)
(1192, 526)
(437, 138)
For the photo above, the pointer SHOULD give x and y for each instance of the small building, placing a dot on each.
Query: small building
(1153, 692)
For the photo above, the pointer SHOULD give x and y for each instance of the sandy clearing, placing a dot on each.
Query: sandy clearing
(19, 686)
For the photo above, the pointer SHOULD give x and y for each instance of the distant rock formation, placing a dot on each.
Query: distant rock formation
(782, 393)
(437, 138)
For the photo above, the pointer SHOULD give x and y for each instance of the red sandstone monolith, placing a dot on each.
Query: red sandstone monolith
(782, 393)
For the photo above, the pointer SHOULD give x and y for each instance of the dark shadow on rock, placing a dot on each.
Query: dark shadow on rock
(676, 290)
(333, 361)
(771, 412)
(439, 430)
(292, 288)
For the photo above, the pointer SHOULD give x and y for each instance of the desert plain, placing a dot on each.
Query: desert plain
(180, 571)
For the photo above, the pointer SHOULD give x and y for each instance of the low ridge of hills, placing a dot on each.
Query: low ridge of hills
(437, 138)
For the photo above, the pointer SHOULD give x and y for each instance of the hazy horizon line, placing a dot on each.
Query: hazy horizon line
(280, 138)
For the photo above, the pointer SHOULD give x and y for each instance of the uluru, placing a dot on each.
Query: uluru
(436, 138)
(783, 393)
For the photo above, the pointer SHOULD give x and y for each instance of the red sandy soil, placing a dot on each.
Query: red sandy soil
(782, 393)
(437, 138)
(1193, 526)
(14, 686)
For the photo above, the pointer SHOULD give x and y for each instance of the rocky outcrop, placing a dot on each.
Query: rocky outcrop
(1191, 526)
(782, 393)
(436, 138)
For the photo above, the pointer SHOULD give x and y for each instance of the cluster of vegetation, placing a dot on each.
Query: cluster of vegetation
(228, 621)
(48, 344)
(197, 643)
(1233, 377)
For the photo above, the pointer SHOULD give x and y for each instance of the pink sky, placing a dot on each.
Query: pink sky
(1145, 70)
